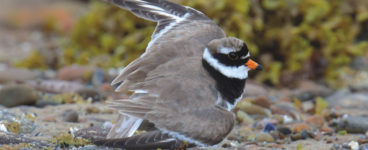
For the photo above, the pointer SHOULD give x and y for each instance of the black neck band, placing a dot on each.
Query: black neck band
(229, 88)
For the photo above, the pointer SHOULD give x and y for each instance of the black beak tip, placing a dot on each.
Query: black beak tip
(259, 67)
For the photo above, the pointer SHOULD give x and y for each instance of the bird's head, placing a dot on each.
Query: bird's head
(230, 56)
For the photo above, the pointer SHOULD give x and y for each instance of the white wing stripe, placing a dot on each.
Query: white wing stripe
(163, 31)
(152, 7)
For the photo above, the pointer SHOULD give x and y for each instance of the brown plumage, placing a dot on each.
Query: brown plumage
(186, 82)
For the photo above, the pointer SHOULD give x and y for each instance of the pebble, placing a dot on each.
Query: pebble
(15, 95)
(92, 110)
(300, 136)
(363, 147)
(326, 130)
(98, 77)
(316, 121)
(17, 75)
(264, 137)
(70, 116)
(331, 139)
(49, 119)
(308, 90)
(73, 73)
(42, 103)
(352, 124)
(308, 106)
(346, 99)
(285, 109)
(269, 127)
(252, 109)
(262, 101)
(354, 145)
(92, 133)
(360, 63)
(362, 141)
(284, 130)
(56, 86)
(299, 127)
(90, 93)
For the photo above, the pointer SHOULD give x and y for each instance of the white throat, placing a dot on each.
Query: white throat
(240, 72)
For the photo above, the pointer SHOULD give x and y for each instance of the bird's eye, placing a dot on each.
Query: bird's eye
(233, 56)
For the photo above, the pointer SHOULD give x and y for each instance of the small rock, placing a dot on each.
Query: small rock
(308, 106)
(316, 121)
(87, 93)
(70, 116)
(352, 124)
(362, 141)
(299, 136)
(360, 63)
(264, 137)
(17, 75)
(72, 73)
(106, 88)
(269, 127)
(354, 145)
(42, 103)
(14, 95)
(285, 109)
(244, 132)
(299, 127)
(92, 110)
(308, 90)
(56, 86)
(49, 119)
(346, 99)
(98, 77)
(92, 133)
(363, 147)
(262, 101)
(331, 139)
(326, 130)
(284, 130)
(253, 109)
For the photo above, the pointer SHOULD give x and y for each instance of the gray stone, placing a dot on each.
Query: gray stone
(346, 99)
(14, 95)
(17, 75)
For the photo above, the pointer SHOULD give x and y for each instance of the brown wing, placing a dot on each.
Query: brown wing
(181, 31)
(180, 99)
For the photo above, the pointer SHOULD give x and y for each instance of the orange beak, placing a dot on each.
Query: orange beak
(253, 65)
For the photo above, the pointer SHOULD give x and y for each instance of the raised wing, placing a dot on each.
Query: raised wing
(165, 13)
(177, 26)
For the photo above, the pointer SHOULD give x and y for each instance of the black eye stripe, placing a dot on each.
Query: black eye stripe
(224, 59)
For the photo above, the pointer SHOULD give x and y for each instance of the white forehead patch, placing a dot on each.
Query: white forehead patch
(240, 72)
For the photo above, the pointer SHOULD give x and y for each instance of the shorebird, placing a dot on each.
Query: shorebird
(186, 82)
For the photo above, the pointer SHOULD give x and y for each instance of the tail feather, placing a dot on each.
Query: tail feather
(124, 127)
